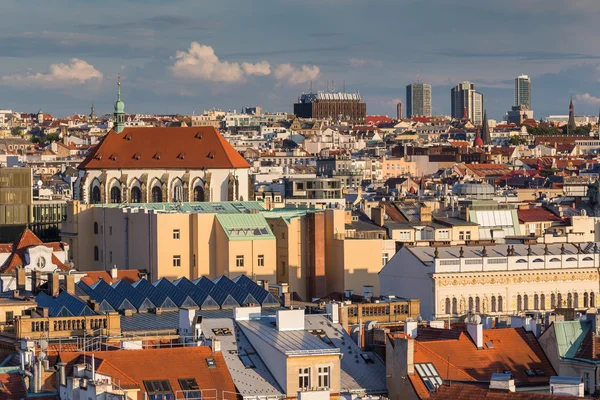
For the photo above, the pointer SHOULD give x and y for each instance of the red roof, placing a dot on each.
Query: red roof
(190, 147)
(478, 391)
(129, 275)
(537, 215)
(132, 367)
(375, 119)
(22, 243)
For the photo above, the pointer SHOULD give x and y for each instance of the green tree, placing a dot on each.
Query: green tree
(516, 140)
(17, 131)
(52, 137)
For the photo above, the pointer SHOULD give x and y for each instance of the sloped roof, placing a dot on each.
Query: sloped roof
(22, 243)
(537, 215)
(130, 275)
(478, 391)
(245, 226)
(149, 147)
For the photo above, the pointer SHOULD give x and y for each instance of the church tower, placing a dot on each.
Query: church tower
(119, 110)
(571, 125)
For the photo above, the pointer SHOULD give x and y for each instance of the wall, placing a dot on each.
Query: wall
(313, 362)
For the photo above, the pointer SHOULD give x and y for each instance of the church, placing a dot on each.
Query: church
(159, 165)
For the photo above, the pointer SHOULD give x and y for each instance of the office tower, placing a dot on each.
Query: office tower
(418, 100)
(338, 106)
(465, 100)
(522, 91)
(399, 110)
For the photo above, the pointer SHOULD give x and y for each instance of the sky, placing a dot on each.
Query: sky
(185, 56)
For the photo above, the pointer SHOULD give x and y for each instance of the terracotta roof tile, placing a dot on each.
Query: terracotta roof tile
(130, 275)
(191, 147)
(22, 243)
(537, 215)
(477, 391)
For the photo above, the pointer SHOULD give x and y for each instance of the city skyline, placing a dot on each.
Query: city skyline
(174, 63)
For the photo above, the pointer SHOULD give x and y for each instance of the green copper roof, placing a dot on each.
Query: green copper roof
(221, 207)
(569, 335)
(288, 213)
(245, 226)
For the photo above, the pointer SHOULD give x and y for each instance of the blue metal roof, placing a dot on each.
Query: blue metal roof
(177, 295)
(139, 301)
(55, 309)
(224, 299)
(157, 297)
(74, 305)
(200, 297)
(103, 305)
(264, 297)
(241, 295)
(113, 297)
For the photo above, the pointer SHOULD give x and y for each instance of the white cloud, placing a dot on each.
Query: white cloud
(261, 68)
(362, 63)
(76, 72)
(200, 62)
(296, 76)
(588, 99)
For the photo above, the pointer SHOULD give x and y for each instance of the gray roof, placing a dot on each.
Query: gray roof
(290, 343)
(251, 382)
(456, 222)
(357, 375)
(426, 254)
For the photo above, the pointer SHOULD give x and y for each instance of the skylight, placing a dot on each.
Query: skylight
(211, 362)
(431, 378)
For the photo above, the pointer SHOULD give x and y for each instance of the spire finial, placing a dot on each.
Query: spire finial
(119, 86)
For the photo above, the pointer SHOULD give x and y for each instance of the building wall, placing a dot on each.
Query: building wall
(313, 362)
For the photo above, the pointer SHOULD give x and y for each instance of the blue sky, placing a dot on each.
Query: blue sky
(181, 56)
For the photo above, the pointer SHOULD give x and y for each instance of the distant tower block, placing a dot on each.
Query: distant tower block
(399, 110)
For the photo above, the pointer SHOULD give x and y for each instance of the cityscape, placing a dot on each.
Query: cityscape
(184, 215)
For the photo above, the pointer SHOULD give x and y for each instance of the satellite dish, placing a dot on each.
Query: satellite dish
(44, 344)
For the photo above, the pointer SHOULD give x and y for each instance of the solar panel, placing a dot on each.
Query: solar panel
(489, 345)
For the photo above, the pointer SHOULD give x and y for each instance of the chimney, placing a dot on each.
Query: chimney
(265, 285)
(406, 347)
(70, 283)
(378, 215)
(114, 273)
(35, 281)
(476, 333)
(410, 328)
(93, 304)
(290, 320)
(215, 345)
(21, 279)
(62, 375)
(566, 386)
(43, 311)
(54, 285)
(333, 309)
(287, 299)
(425, 213)
(502, 382)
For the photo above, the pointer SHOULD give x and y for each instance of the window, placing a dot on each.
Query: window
(461, 235)
(136, 195)
(405, 235)
(283, 235)
(542, 301)
(115, 195)
(159, 390)
(519, 303)
(304, 378)
(261, 260)
(239, 261)
(468, 235)
(95, 228)
(493, 303)
(384, 259)
(10, 317)
(110, 256)
(448, 309)
(323, 377)
(283, 268)
(177, 261)
(156, 194)
(499, 303)
(190, 388)
(444, 234)
(110, 230)
(198, 193)
(211, 363)
(175, 233)
(95, 195)
(96, 253)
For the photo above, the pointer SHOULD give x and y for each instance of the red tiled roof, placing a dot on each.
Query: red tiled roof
(14, 387)
(478, 391)
(190, 147)
(129, 275)
(513, 350)
(537, 215)
(22, 243)
(133, 367)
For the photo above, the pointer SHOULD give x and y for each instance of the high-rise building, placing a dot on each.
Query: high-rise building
(399, 110)
(465, 100)
(522, 91)
(418, 99)
(338, 106)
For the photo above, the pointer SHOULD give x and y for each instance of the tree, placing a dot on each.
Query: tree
(17, 131)
(52, 137)
(516, 140)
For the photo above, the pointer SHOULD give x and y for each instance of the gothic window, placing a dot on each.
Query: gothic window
(525, 302)
(470, 304)
(499, 303)
(198, 193)
(136, 195)
(177, 193)
(559, 302)
(586, 303)
(96, 253)
(156, 194)
(448, 306)
(95, 195)
(542, 302)
(552, 301)
(519, 303)
(493, 303)
(569, 300)
(477, 305)
(454, 306)
(592, 299)
(536, 302)
(115, 195)
(576, 300)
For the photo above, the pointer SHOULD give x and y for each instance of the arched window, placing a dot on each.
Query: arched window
(559, 300)
(177, 193)
(499, 303)
(96, 253)
(95, 228)
(95, 195)
(586, 303)
(538, 260)
(536, 302)
(470, 304)
(542, 302)
(136, 195)
(588, 259)
(519, 303)
(552, 301)
(477, 304)
(525, 302)
(521, 261)
(493, 303)
(156, 194)
(555, 259)
(571, 259)
(575, 300)
(448, 310)
(115, 195)
(592, 299)
(198, 193)
(454, 306)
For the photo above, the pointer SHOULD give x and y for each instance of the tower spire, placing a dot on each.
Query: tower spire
(119, 109)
